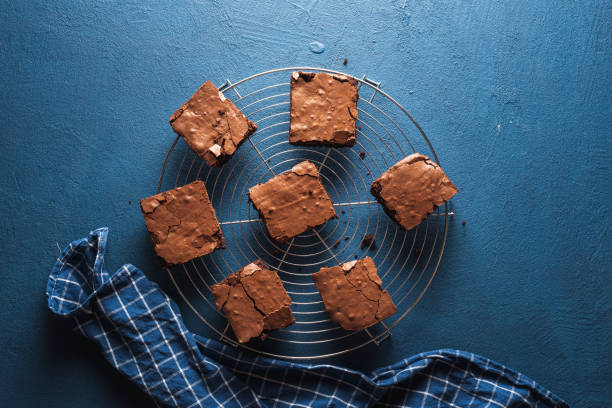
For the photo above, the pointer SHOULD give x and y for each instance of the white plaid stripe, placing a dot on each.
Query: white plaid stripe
(144, 383)
(314, 394)
(163, 335)
(457, 354)
(143, 342)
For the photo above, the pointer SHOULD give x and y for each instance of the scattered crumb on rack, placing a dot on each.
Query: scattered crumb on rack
(368, 241)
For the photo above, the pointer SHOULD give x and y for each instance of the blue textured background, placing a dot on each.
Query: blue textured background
(516, 97)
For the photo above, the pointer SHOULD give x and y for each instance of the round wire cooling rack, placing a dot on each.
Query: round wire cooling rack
(407, 261)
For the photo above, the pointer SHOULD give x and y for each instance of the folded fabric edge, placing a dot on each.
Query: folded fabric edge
(63, 302)
(450, 355)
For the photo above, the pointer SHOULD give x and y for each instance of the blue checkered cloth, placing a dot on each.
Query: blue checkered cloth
(141, 333)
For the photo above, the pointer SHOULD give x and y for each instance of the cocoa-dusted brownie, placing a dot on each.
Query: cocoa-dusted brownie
(182, 223)
(323, 109)
(212, 125)
(292, 202)
(254, 301)
(412, 189)
(352, 294)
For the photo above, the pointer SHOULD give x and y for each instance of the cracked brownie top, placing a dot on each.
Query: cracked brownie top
(353, 294)
(182, 223)
(254, 301)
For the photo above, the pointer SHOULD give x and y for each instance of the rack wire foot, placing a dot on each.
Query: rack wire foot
(227, 85)
(374, 84)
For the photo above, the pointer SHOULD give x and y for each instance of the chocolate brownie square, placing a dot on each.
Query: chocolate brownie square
(412, 189)
(182, 223)
(212, 125)
(323, 109)
(352, 294)
(254, 301)
(292, 202)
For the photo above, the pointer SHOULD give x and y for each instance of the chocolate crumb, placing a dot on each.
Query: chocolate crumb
(368, 173)
(276, 252)
(362, 155)
(463, 223)
(345, 61)
(355, 256)
(417, 252)
(336, 244)
(343, 212)
(130, 202)
(359, 127)
(346, 238)
(368, 241)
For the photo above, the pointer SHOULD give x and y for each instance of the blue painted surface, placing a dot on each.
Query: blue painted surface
(515, 97)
